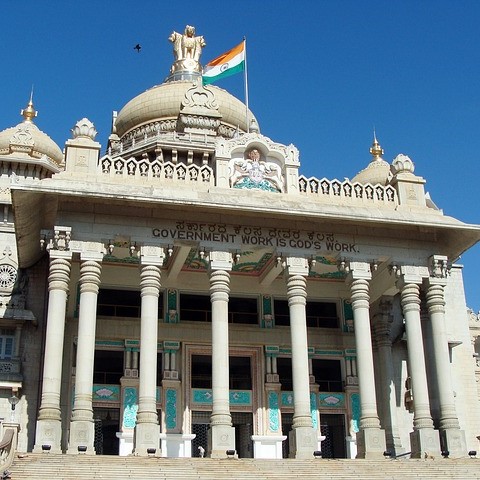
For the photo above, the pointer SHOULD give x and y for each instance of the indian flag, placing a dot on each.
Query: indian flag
(227, 64)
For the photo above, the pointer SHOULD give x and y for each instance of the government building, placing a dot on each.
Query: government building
(185, 291)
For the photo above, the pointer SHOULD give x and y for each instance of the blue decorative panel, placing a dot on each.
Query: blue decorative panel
(287, 399)
(331, 400)
(236, 397)
(240, 397)
(202, 396)
(313, 409)
(130, 407)
(106, 393)
(273, 412)
(356, 411)
(171, 408)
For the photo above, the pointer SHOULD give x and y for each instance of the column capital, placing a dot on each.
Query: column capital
(220, 260)
(152, 255)
(296, 266)
(407, 274)
(88, 250)
(355, 270)
(60, 254)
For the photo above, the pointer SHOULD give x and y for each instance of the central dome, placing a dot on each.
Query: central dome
(182, 99)
(163, 103)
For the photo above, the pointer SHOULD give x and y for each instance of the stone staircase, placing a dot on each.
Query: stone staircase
(47, 466)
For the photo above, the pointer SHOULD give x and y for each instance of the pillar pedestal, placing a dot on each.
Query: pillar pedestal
(370, 443)
(82, 434)
(221, 439)
(424, 442)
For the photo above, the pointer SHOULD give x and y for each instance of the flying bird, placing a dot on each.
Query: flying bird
(137, 47)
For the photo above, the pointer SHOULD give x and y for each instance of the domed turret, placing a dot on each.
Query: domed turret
(26, 140)
(378, 170)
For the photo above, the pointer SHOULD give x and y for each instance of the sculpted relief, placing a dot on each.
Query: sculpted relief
(253, 172)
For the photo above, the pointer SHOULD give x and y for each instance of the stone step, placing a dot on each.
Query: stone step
(46, 466)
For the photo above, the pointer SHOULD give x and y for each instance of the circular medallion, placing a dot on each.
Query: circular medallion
(8, 276)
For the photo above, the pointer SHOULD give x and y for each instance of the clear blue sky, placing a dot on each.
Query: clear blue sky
(322, 75)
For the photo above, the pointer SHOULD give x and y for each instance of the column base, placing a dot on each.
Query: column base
(49, 432)
(220, 439)
(146, 436)
(268, 446)
(371, 443)
(424, 442)
(82, 437)
(176, 445)
(303, 442)
(453, 440)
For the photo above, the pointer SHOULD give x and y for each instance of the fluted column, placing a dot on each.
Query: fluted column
(423, 438)
(451, 437)
(303, 438)
(382, 322)
(370, 438)
(82, 428)
(147, 429)
(222, 434)
(49, 428)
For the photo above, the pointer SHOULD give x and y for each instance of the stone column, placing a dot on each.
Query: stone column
(49, 425)
(382, 328)
(423, 439)
(147, 428)
(222, 434)
(451, 437)
(82, 427)
(370, 438)
(303, 437)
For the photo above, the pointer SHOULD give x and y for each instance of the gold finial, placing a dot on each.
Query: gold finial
(29, 113)
(376, 150)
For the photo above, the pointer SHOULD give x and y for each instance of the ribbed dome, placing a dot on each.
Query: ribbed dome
(163, 102)
(26, 138)
(377, 171)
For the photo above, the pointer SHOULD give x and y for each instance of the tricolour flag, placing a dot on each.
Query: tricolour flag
(227, 64)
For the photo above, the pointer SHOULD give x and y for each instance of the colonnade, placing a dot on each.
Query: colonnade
(371, 438)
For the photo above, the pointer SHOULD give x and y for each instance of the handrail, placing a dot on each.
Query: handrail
(7, 448)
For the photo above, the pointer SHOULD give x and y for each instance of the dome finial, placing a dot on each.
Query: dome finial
(376, 150)
(29, 113)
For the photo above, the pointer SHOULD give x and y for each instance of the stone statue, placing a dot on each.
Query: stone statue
(187, 49)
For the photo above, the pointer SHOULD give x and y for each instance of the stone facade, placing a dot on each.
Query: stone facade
(189, 289)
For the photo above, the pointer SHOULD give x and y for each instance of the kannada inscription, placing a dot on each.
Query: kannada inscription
(239, 235)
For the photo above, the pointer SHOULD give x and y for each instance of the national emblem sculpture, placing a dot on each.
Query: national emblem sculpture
(187, 49)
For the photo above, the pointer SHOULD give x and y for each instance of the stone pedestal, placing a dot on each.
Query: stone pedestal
(454, 441)
(351, 447)
(303, 442)
(82, 434)
(146, 436)
(176, 445)
(268, 446)
(424, 441)
(125, 443)
(370, 443)
(49, 432)
(220, 439)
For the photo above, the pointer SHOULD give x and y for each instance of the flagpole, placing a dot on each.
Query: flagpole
(246, 84)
